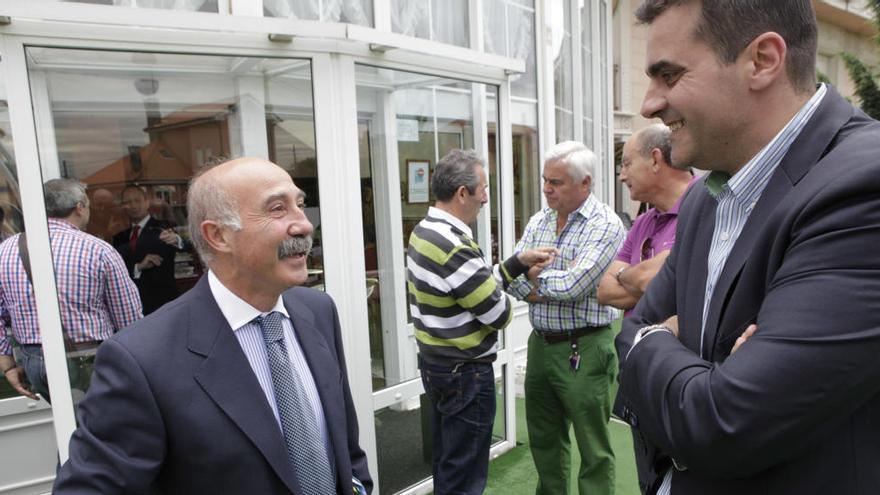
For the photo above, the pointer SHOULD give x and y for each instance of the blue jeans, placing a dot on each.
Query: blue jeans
(79, 369)
(463, 411)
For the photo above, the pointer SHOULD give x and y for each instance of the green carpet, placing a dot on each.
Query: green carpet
(514, 473)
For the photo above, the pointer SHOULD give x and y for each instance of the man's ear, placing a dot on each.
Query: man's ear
(461, 193)
(216, 236)
(766, 59)
(656, 159)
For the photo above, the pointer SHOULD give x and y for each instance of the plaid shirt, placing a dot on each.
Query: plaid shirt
(95, 294)
(587, 245)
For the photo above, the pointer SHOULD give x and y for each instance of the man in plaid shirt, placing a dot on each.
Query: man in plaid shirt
(95, 294)
(571, 358)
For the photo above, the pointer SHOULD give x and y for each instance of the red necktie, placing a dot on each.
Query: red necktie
(132, 243)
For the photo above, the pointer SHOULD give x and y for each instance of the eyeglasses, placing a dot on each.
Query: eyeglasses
(647, 251)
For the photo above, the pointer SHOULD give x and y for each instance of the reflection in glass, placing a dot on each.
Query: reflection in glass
(429, 116)
(445, 21)
(403, 445)
(349, 11)
(136, 126)
(192, 5)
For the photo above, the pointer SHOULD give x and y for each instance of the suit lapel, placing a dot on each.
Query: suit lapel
(325, 373)
(806, 150)
(695, 276)
(226, 377)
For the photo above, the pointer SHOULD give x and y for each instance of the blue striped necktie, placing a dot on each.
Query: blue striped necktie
(305, 446)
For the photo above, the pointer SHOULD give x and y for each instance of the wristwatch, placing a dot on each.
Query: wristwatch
(644, 332)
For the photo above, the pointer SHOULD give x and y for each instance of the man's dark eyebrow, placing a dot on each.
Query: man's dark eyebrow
(659, 66)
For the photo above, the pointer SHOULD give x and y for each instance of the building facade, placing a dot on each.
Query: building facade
(357, 99)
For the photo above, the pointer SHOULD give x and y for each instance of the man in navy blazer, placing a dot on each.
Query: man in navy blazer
(751, 362)
(183, 401)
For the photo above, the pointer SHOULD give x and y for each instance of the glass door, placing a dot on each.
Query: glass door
(407, 121)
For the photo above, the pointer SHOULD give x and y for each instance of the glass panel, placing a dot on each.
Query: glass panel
(350, 11)
(134, 127)
(562, 69)
(499, 432)
(445, 21)
(403, 444)
(192, 5)
(587, 64)
(510, 31)
(429, 116)
(11, 222)
(526, 165)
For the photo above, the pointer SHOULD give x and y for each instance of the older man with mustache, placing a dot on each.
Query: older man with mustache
(239, 385)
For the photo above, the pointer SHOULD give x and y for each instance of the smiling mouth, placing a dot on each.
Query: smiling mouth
(674, 126)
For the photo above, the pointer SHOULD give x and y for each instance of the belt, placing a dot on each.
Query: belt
(557, 336)
(73, 348)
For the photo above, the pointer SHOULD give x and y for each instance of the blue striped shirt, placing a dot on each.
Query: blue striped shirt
(240, 315)
(736, 198)
(587, 245)
(95, 294)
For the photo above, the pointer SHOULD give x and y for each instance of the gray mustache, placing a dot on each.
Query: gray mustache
(293, 246)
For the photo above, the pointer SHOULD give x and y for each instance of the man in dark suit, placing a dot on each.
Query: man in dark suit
(239, 385)
(751, 362)
(148, 247)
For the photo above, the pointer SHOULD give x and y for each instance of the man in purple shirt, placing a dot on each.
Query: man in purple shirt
(648, 172)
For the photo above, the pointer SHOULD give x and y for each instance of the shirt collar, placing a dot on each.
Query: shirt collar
(448, 217)
(143, 222)
(237, 312)
(61, 222)
(748, 183)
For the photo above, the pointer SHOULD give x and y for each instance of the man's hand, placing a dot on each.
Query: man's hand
(744, 337)
(18, 380)
(672, 324)
(149, 261)
(542, 256)
(534, 272)
(168, 236)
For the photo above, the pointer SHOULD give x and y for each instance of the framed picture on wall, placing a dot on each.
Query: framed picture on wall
(418, 179)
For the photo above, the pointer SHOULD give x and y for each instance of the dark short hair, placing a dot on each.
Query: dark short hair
(134, 187)
(728, 26)
(454, 170)
(62, 195)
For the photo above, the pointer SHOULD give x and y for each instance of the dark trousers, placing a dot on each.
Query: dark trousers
(463, 410)
(78, 368)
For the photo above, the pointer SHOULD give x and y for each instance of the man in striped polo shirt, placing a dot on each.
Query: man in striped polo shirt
(571, 358)
(458, 306)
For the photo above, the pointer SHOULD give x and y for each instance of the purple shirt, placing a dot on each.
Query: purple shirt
(652, 233)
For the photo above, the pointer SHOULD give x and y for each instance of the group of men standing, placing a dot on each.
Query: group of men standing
(747, 360)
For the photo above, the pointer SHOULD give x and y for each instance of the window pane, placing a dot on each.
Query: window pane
(445, 21)
(350, 11)
(510, 31)
(192, 5)
(135, 127)
(562, 69)
(526, 166)
(587, 62)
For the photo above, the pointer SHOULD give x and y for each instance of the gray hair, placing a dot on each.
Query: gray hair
(728, 26)
(62, 196)
(580, 161)
(208, 200)
(454, 170)
(657, 136)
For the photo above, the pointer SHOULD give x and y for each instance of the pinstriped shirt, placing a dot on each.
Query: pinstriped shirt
(737, 196)
(240, 315)
(587, 245)
(95, 294)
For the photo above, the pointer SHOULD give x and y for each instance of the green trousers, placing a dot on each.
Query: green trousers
(558, 398)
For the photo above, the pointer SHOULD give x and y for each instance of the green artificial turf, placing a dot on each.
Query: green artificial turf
(514, 473)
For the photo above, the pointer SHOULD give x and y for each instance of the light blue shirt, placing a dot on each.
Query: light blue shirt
(240, 315)
(737, 196)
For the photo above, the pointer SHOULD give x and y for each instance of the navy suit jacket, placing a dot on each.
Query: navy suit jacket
(174, 406)
(797, 408)
(156, 285)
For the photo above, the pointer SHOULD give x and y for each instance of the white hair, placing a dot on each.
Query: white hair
(580, 161)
